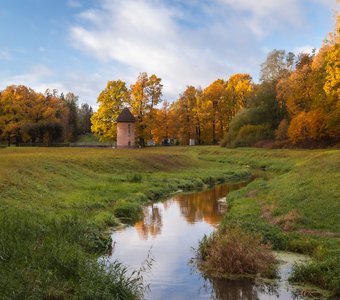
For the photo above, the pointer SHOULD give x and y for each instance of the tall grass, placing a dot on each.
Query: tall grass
(44, 258)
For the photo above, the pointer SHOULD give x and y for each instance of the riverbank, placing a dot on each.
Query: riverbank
(294, 204)
(57, 204)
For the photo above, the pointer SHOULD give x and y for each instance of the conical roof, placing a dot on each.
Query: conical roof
(126, 116)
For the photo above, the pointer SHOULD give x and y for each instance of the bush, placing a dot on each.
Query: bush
(236, 252)
(248, 135)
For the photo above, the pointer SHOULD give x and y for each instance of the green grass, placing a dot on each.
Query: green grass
(293, 203)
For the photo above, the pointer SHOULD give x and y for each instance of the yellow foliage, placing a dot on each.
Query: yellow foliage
(111, 101)
(332, 82)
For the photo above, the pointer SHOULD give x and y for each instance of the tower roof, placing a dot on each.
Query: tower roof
(126, 116)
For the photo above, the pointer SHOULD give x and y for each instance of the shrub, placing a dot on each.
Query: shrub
(248, 135)
(236, 252)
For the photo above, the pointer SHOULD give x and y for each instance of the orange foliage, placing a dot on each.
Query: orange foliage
(307, 127)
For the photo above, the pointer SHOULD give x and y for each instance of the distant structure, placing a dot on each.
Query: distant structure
(125, 129)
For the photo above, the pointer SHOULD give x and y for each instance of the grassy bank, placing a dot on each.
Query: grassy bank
(294, 203)
(57, 204)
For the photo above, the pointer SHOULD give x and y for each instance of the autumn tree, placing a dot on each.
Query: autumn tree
(53, 118)
(311, 95)
(213, 97)
(27, 115)
(184, 114)
(297, 90)
(162, 123)
(307, 128)
(11, 117)
(111, 101)
(202, 120)
(238, 88)
(145, 95)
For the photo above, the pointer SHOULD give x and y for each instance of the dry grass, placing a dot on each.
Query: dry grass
(236, 252)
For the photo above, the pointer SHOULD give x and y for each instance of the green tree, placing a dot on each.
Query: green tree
(71, 102)
(85, 113)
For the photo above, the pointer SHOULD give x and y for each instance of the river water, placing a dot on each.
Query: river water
(169, 231)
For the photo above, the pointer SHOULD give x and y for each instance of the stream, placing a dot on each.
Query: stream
(169, 231)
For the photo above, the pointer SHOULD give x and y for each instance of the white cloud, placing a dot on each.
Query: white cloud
(146, 36)
(37, 77)
(40, 78)
(34, 75)
(264, 15)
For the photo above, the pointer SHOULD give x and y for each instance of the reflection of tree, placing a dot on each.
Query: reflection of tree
(204, 205)
(233, 289)
(194, 207)
(151, 225)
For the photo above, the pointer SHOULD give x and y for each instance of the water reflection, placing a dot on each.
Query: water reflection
(196, 207)
(244, 289)
(171, 228)
(151, 225)
(204, 205)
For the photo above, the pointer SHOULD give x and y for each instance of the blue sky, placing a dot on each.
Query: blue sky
(78, 45)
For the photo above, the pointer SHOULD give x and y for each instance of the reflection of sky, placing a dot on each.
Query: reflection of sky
(171, 276)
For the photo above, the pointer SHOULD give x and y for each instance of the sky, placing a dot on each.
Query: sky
(78, 45)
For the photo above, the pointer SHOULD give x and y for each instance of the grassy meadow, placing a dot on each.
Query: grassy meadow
(57, 206)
